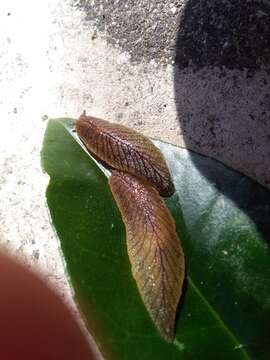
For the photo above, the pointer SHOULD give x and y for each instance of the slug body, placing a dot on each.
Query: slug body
(139, 175)
(156, 257)
(126, 150)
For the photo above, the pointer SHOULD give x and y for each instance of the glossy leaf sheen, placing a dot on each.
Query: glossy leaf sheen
(154, 250)
(225, 311)
(125, 149)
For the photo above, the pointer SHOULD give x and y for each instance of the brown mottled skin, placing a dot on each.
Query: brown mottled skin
(127, 150)
(140, 174)
(154, 249)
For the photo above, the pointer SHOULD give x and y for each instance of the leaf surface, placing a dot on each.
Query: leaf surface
(224, 225)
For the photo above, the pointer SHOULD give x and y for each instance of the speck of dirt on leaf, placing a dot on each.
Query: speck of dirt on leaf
(179, 345)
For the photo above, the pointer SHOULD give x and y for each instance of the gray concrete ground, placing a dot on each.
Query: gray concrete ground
(116, 59)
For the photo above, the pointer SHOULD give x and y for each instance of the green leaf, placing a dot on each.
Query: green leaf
(223, 220)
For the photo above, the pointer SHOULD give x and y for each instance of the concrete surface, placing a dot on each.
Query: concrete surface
(221, 52)
(115, 59)
(222, 82)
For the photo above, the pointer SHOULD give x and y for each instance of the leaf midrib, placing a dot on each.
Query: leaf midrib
(218, 318)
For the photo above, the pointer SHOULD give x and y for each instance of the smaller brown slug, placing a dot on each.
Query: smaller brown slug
(126, 150)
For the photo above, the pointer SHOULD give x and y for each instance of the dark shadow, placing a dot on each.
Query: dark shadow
(234, 34)
(222, 94)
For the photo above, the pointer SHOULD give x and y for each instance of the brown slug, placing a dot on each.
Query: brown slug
(139, 175)
(156, 257)
(126, 150)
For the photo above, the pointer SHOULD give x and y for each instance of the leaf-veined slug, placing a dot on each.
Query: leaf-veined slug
(139, 175)
(126, 150)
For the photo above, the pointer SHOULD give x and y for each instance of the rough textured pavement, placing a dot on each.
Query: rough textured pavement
(195, 73)
(221, 52)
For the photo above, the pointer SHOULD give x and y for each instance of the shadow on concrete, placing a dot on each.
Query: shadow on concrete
(222, 93)
(234, 34)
